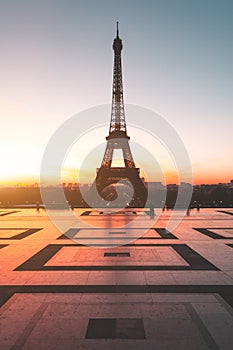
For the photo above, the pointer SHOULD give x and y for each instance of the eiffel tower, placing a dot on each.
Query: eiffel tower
(109, 176)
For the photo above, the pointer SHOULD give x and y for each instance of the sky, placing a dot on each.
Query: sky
(56, 61)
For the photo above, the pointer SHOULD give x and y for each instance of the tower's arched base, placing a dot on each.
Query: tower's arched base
(111, 182)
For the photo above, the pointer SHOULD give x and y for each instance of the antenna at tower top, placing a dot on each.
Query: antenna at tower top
(117, 23)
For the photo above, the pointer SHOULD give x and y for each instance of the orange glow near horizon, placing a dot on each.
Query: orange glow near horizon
(20, 161)
(170, 178)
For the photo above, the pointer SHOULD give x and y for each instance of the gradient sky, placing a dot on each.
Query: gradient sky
(56, 60)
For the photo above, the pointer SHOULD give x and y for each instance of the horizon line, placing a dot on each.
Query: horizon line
(76, 184)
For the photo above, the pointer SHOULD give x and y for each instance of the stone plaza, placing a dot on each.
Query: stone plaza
(164, 289)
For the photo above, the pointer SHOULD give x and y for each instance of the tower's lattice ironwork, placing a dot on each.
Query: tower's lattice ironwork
(118, 139)
(118, 114)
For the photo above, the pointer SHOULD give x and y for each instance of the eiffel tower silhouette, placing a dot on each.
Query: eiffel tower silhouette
(109, 177)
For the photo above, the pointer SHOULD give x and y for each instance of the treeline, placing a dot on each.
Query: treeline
(203, 196)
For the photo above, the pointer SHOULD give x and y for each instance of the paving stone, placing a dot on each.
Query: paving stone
(166, 289)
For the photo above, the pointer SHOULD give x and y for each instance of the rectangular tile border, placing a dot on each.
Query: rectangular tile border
(226, 292)
(164, 234)
(195, 260)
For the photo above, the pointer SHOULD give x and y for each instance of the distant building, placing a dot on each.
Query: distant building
(155, 185)
(172, 187)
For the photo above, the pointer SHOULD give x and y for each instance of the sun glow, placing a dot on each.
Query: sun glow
(18, 161)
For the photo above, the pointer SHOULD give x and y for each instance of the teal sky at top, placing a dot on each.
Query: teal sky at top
(56, 60)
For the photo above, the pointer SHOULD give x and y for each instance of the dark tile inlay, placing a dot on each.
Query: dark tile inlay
(69, 234)
(117, 232)
(10, 212)
(195, 260)
(230, 245)
(226, 291)
(85, 213)
(20, 235)
(209, 233)
(101, 328)
(164, 233)
(225, 212)
(117, 254)
(3, 245)
(96, 213)
(111, 328)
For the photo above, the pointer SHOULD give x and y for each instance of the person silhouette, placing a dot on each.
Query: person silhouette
(152, 213)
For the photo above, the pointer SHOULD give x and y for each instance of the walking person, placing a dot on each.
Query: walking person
(152, 213)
